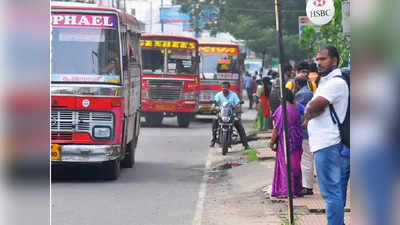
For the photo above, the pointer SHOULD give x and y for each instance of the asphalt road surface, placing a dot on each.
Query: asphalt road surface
(161, 189)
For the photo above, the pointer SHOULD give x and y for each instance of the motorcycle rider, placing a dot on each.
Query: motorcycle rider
(227, 95)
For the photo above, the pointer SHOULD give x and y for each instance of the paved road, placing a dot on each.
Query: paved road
(162, 188)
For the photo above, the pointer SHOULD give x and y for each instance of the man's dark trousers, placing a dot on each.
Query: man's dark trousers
(250, 95)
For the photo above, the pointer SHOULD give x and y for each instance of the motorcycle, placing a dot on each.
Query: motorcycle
(226, 134)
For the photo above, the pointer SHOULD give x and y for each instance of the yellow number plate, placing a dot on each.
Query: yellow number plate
(55, 152)
(205, 109)
(165, 107)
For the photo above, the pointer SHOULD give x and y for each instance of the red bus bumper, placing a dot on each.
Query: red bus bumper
(189, 106)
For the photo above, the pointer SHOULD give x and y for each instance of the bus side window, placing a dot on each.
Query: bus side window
(132, 55)
(134, 47)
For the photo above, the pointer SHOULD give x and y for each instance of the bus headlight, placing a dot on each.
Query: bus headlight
(190, 95)
(101, 132)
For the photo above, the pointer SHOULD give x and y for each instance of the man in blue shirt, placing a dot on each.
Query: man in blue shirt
(303, 94)
(247, 85)
(227, 95)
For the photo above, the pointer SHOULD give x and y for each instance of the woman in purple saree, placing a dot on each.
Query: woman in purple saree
(295, 142)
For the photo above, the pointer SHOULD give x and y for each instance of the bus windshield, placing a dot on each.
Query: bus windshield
(212, 64)
(153, 60)
(85, 55)
(179, 61)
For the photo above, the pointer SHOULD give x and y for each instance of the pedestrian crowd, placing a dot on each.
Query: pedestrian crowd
(317, 103)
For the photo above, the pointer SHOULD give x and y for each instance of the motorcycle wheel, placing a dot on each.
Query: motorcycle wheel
(235, 137)
(224, 142)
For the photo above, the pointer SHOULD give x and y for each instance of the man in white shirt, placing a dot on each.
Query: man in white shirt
(332, 167)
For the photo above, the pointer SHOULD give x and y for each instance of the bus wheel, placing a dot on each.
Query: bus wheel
(129, 159)
(184, 119)
(154, 118)
(112, 169)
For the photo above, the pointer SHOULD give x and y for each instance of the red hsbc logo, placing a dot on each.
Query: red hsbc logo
(320, 12)
(319, 3)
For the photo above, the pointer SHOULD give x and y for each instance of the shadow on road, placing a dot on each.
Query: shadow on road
(203, 120)
(195, 124)
(144, 124)
(77, 173)
(142, 172)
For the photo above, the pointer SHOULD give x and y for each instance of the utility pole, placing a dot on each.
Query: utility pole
(151, 16)
(284, 112)
(161, 19)
(196, 24)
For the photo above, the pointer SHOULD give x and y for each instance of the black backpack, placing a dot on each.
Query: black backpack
(344, 128)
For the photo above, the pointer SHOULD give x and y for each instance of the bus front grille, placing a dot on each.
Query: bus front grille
(66, 122)
(163, 90)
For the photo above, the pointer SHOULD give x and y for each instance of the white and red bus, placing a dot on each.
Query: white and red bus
(170, 78)
(95, 86)
(219, 62)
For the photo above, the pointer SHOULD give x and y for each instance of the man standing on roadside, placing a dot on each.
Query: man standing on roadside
(253, 88)
(303, 96)
(302, 70)
(333, 168)
(247, 85)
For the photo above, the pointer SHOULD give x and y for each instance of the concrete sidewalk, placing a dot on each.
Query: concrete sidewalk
(234, 193)
(237, 201)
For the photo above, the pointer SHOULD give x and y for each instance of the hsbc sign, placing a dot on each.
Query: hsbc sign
(320, 12)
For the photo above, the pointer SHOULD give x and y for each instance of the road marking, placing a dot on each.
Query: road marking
(197, 219)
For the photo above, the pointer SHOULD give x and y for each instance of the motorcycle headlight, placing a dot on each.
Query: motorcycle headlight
(190, 95)
(226, 118)
(101, 132)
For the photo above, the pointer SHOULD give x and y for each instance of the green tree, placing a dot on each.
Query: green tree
(254, 22)
(330, 34)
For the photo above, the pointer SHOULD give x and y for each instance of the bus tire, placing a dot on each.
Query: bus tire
(184, 119)
(112, 169)
(154, 118)
(129, 159)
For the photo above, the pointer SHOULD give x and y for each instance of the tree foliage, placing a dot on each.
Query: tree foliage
(254, 22)
(330, 34)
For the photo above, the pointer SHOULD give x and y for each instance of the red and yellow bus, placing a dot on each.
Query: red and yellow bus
(170, 78)
(219, 62)
(95, 86)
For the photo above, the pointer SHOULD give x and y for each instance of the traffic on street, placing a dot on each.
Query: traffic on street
(180, 112)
